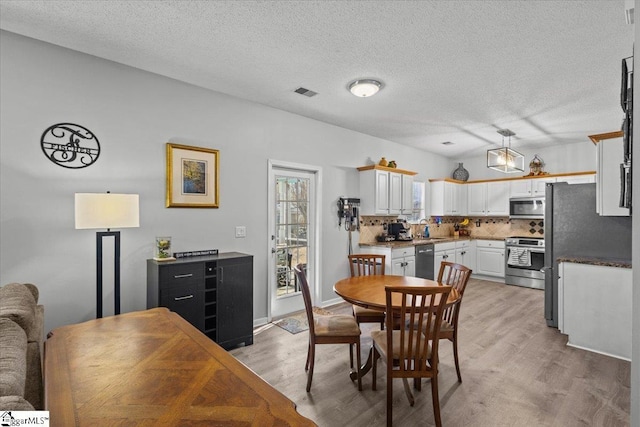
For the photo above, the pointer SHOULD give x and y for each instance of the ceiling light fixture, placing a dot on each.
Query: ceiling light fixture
(505, 159)
(364, 88)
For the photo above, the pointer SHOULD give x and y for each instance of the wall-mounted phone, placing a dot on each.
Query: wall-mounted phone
(349, 211)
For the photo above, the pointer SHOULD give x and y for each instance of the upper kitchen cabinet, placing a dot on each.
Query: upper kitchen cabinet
(448, 197)
(609, 183)
(534, 187)
(488, 198)
(385, 191)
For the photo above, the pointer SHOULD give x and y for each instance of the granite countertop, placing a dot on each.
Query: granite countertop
(415, 242)
(603, 262)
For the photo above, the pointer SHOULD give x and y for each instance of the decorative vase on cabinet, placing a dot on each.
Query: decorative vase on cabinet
(461, 174)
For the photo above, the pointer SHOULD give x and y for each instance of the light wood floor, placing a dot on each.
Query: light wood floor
(516, 371)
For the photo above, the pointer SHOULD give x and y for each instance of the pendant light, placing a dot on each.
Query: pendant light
(505, 159)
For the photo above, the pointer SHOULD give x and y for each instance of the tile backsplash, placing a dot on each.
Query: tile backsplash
(372, 226)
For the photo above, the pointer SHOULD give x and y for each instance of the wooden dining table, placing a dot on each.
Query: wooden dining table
(369, 292)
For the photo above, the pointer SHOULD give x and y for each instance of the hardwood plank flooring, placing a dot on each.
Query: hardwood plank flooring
(516, 371)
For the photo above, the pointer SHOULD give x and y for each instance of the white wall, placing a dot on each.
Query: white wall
(576, 157)
(133, 114)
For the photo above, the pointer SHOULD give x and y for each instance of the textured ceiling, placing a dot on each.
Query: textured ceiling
(452, 70)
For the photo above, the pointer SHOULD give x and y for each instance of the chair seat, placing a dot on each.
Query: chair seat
(380, 339)
(361, 311)
(336, 326)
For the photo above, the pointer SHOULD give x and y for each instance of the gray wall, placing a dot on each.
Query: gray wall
(134, 113)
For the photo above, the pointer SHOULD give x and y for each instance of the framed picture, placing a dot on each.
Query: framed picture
(193, 177)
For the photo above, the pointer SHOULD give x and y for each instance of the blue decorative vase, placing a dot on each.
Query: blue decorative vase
(461, 174)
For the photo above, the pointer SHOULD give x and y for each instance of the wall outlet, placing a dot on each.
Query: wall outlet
(241, 231)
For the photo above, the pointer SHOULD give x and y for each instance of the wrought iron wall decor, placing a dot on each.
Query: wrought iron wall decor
(70, 146)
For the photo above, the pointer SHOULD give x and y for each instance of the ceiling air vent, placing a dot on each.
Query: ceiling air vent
(305, 92)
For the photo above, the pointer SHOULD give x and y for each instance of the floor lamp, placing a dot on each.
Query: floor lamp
(106, 210)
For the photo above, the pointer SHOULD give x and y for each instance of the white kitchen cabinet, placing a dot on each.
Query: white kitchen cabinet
(466, 253)
(534, 187)
(385, 192)
(448, 198)
(608, 184)
(488, 198)
(596, 308)
(490, 258)
(398, 261)
(443, 252)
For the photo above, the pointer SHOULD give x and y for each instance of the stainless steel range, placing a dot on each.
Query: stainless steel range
(524, 260)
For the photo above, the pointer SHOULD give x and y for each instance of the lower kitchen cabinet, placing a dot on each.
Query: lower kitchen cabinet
(490, 258)
(466, 253)
(213, 293)
(398, 261)
(460, 252)
(594, 308)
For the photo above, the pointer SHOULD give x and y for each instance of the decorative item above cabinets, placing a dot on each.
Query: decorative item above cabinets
(385, 190)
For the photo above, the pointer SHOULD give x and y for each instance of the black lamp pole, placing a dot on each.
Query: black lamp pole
(116, 271)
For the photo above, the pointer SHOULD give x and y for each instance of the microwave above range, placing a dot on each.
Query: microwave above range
(526, 208)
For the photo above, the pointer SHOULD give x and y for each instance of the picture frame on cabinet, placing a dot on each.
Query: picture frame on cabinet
(193, 177)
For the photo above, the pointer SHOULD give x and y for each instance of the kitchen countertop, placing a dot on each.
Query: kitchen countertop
(415, 242)
(603, 262)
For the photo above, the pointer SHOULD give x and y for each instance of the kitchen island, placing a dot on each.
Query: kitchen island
(594, 304)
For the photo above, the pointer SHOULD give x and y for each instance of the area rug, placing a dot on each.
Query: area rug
(298, 322)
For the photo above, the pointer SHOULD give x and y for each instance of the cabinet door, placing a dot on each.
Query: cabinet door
(477, 198)
(382, 192)
(447, 255)
(235, 301)
(490, 261)
(539, 186)
(498, 198)
(450, 198)
(407, 194)
(410, 266)
(466, 257)
(577, 179)
(461, 199)
(436, 198)
(395, 193)
(520, 188)
(610, 155)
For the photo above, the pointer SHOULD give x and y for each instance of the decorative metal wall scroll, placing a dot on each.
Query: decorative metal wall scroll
(70, 146)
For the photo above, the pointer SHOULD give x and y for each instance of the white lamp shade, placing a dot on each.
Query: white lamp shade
(106, 210)
(365, 87)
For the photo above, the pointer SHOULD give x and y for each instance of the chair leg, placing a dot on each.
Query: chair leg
(374, 368)
(351, 355)
(312, 357)
(455, 354)
(389, 398)
(436, 400)
(407, 390)
(358, 361)
(306, 364)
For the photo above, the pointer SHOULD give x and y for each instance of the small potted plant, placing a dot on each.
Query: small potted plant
(163, 249)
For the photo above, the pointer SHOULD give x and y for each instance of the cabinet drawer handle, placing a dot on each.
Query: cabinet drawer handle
(181, 298)
(183, 276)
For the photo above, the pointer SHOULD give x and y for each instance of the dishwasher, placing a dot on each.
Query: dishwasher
(425, 261)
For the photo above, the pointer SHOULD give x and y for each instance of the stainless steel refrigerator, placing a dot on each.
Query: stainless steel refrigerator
(572, 228)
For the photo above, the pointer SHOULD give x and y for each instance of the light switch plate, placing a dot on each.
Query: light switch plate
(241, 231)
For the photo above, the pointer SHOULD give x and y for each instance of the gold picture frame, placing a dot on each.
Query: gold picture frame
(193, 177)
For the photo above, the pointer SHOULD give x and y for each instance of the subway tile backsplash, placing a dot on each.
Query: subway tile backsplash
(372, 226)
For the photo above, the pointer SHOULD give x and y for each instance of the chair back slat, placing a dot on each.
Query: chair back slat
(420, 307)
(366, 264)
(456, 276)
(306, 295)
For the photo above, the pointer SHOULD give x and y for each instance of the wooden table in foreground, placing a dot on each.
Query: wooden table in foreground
(153, 368)
(369, 292)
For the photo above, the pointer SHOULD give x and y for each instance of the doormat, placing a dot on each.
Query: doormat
(298, 322)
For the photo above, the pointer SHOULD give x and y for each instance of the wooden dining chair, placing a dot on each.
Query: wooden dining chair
(408, 352)
(456, 276)
(367, 265)
(332, 329)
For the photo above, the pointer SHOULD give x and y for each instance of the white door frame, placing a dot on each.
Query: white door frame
(315, 273)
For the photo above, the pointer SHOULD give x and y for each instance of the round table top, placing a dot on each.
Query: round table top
(369, 292)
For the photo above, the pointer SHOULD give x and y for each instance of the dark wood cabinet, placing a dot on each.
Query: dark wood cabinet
(213, 293)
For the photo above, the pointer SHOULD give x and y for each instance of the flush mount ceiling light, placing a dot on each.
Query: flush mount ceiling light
(364, 88)
(505, 159)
